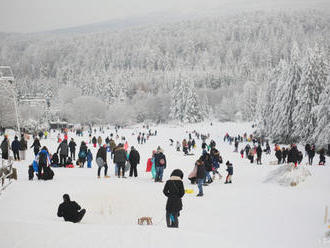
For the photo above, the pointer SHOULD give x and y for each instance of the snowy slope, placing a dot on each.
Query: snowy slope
(251, 212)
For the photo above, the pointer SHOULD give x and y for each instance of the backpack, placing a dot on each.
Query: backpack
(82, 154)
(42, 158)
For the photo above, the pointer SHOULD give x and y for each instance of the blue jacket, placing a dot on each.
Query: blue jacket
(89, 156)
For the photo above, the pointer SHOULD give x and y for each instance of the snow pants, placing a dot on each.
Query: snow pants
(78, 217)
(133, 170)
(105, 170)
(16, 155)
(121, 167)
(172, 219)
(63, 160)
(159, 173)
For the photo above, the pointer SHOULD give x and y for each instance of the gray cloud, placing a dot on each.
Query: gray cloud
(40, 15)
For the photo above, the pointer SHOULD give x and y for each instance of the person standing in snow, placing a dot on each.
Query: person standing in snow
(174, 191)
(207, 161)
(101, 160)
(230, 171)
(15, 146)
(236, 145)
(259, 152)
(94, 141)
(112, 147)
(70, 210)
(200, 176)
(120, 159)
(99, 141)
(89, 158)
(36, 145)
(311, 154)
(5, 148)
(134, 159)
(22, 148)
(72, 146)
(293, 155)
(160, 164)
(278, 154)
(64, 152)
(82, 154)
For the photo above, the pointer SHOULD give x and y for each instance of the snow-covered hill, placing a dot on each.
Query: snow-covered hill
(250, 212)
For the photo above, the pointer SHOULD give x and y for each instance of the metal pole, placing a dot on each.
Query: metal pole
(17, 119)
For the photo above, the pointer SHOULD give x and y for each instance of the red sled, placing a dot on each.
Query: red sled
(149, 165)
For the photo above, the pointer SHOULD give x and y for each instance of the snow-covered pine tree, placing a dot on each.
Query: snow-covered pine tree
(192, 106)
(185, 104)
(176, 110)
(285, 99)
(250, 101)
(266, 102)
(205, 108)
(322, 130)
(308, 92)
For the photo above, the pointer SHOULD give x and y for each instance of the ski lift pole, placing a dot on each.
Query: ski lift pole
(6, 75)
(16, 112)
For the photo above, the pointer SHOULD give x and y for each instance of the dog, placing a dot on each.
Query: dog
(145, 219)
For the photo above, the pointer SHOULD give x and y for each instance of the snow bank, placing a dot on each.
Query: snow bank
(288, 175)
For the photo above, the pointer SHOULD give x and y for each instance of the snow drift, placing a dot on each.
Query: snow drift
(288, 175)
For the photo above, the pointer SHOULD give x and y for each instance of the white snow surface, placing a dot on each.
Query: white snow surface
(250, 212)
(288, 174)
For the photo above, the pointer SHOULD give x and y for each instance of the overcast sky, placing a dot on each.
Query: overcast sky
(41, 15)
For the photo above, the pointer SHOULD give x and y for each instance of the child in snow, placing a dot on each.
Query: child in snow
(230, 171)
(242, 153)
(89, 158)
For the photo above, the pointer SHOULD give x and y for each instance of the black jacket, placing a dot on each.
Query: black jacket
(230, 169)
(120, 155)
(64, 148)
(36, 144)
(259, 151)
(15, 145)
(72, 146)
(68, 210)
(206, 158)
(5, 146)
(174, 190)
(134, 157)
(102, 153)
(23, 144)
(158, 157)
(293, 155)
(200, 171)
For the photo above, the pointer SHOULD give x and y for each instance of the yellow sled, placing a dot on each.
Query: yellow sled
(189, 191)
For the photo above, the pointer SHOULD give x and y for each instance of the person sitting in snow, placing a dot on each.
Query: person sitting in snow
(322, 157)
(70, 210)
(55, 160)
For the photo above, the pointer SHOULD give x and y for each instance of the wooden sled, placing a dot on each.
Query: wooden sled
(148, 220)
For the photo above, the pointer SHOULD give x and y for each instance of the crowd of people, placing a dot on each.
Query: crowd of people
(126, 159)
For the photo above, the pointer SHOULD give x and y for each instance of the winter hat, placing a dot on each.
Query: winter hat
(227, 163)
(66, 197)
(177, 173)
